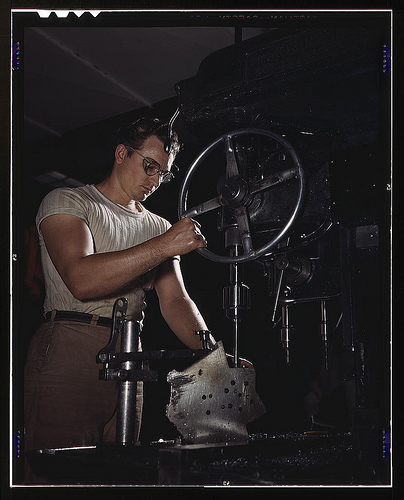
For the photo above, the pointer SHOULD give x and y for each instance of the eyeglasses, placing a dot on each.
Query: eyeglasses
(151, 167)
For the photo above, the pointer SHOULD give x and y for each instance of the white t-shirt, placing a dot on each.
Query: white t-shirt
(113, 227)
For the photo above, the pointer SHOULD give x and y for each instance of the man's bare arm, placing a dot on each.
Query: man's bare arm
(180, 311)
(177, 308)
(90, 275)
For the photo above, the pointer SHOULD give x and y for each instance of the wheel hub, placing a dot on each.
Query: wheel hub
(234, 192)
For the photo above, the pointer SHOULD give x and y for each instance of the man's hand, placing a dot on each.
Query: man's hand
(183, 237)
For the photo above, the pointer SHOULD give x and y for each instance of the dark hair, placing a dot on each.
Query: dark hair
(135, 134)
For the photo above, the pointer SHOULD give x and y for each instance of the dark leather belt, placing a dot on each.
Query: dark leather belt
(81, 317)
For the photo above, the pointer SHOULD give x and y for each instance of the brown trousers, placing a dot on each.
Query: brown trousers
(65, 403)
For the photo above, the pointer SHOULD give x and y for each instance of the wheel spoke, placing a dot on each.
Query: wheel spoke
(273, 180)
(231, 162)
(244, 229)
(206, 206)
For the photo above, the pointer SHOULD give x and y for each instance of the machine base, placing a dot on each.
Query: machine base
(268, 459)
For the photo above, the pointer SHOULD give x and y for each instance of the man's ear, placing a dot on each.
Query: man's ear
(120, 151)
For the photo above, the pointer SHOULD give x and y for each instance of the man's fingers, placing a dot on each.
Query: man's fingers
(196, 223)
(197, 231)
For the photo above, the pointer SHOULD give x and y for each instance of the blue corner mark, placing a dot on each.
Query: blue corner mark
(16, 55)
(386, 58)
(17, 444)
(386, 443)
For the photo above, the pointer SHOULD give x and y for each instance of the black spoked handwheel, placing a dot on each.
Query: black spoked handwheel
(236, 193)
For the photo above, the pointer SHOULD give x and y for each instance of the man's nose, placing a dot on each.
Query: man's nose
(156, 180)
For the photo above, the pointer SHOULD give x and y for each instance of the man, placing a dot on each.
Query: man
(99, 243)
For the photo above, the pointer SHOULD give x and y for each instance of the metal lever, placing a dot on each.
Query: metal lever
(169, 140)
(118, 316)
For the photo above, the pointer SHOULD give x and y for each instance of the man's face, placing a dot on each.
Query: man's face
(134, 180)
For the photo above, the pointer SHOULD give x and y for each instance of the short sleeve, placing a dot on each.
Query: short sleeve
(61, 201)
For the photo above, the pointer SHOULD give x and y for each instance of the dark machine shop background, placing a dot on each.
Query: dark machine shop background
(320, 80)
